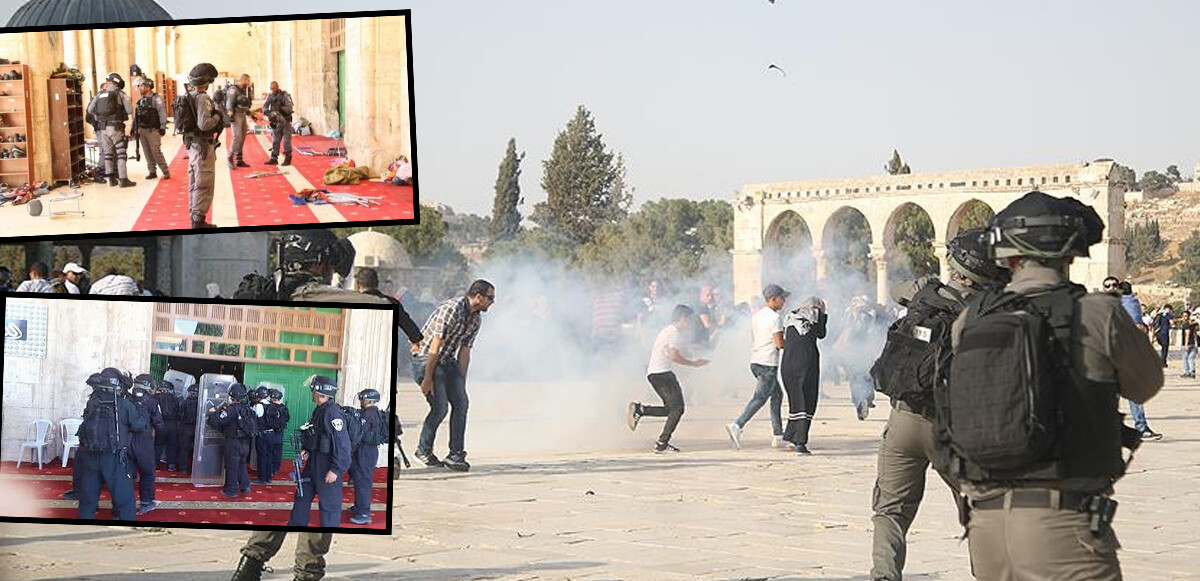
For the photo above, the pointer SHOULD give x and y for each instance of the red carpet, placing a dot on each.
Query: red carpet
(221, 516)
(262, 201)
(397, 202)
(167, 208)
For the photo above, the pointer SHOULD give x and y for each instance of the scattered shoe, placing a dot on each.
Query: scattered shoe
(457, 462)
(634, 415)
(146, 507)
(1149, 434)
(287, 160)
(802, 450)
(361, 520)
(429, 459)
(735, 434)
(665, 448)
(171, 467)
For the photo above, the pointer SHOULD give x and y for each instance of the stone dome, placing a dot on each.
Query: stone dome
(75, 12)
(377, 250)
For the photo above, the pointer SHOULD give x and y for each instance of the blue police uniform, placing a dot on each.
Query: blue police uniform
(328, 446)
(141, 448)
(167, 439)
(366, 455)
(236, 449)
(102, 455)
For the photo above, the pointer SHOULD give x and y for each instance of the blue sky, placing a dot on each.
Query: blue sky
(682, 88)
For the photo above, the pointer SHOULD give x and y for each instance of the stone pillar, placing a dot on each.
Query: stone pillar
(882, 292)
(43, 52)
(819, 259)
(103, 63)
(145, 50)
(163, 249)
(939, 250)
(747, 274)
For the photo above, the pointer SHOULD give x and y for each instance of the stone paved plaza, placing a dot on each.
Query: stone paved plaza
(580, 498)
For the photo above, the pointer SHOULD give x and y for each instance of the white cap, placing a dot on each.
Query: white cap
(72, 267)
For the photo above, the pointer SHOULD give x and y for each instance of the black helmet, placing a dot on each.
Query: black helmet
(145, 379)
(261, 393)
(164, 385)
(237, 392)
(93, 380)
(368, 395)
(968, 255)
(202, 74)
(116, 79)
(1039, 225)
(193, 389)
(101, 381)
(135, 71)
(322, 385)
(304, 247)
(139, 391)
(117, 379)
(276, 394)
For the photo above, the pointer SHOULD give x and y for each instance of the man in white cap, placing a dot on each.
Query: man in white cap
(73, 277)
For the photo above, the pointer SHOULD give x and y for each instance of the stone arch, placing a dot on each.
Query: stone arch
(913, 255)
(846, 241)
(788, 251)
(971, 211)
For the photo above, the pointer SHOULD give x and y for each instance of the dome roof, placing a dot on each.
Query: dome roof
(377, 250)
(60, 12)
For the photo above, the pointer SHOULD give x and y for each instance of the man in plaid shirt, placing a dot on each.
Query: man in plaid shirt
(440, 367)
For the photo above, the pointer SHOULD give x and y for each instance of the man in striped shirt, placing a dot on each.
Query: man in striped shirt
(440, 367)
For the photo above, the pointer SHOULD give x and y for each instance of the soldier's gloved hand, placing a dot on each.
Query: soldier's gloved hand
(162, 131)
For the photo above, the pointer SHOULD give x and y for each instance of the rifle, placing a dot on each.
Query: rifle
(298, 465)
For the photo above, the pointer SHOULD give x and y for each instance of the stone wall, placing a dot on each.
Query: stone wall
(220, 258)
(81, 341)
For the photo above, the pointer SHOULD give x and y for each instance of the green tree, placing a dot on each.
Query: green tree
(896, 166)
(1188, 271)
(848, 245)
(585, 188)
(914, 245)
(506, 216)
(1152, 181)
(1143, 245)
(423, 242)
(977, 216)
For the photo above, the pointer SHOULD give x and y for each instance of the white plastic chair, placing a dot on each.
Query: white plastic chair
(40, 429)
(69, 432)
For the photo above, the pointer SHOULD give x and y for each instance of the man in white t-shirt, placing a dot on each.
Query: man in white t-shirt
(664, 356)
(37, 282)
(766, 340)
(72, 277)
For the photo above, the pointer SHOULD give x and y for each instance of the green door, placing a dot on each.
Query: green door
(296, 397)
(341, 90)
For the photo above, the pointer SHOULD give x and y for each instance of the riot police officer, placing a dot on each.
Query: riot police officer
(73, 492)
(141, 449)
(201, 144)
(264, 438)
(166, 440)
(1039, 490)
(111, 109)
(236, 421)
(150, 125)
(907, 447)
(278, 417)
(366, 455)
(104, 439)
(278, 110)
(188, 412)
(325, 453)
(237, 104)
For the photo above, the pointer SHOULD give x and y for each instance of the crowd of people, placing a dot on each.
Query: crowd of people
(74, 279)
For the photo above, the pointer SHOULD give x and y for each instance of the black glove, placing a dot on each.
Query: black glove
(162, 131)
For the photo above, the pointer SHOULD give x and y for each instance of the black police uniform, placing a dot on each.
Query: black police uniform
(167, 439)
(366, 455)
(280, 415)
(102, 455)
(236, 448)
(141, 449)
(328, 446)
(270, 438)
(188, 412)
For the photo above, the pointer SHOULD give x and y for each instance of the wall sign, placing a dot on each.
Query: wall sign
(24, 330)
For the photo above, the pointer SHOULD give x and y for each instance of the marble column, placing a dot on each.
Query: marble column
(43, 52)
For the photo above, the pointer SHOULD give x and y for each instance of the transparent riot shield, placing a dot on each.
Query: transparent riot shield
(207, 465)
(180, 380)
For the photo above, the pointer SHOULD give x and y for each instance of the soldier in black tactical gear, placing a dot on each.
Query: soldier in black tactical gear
(278, 111)
(258, 398)
(237, 104)
(166, 440)
(111, 109)
(325, 445)
(905, 372)
(150, 125)
(201, 144)
(277, 416)
(1048, 352)
(366, 455)
(237, 422)
(188, 412)
(141, 449)
(73, 492)
(104, 439)
(269, 432)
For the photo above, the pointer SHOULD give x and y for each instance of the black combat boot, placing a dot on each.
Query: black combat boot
(241, 162)
(272, 161)
(197, 225)
(125, 183)
(287, 159)
(152, 176)
(112, 181)
(249, 569)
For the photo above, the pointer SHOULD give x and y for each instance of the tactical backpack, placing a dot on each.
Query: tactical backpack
(168, 405)
(244, 420)
(184, 109)
(147, 114)
(379, 435)
(354, 425)
(272, 416)
(999, 411)
(255, 287)
(918, 347)
(100, 431)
